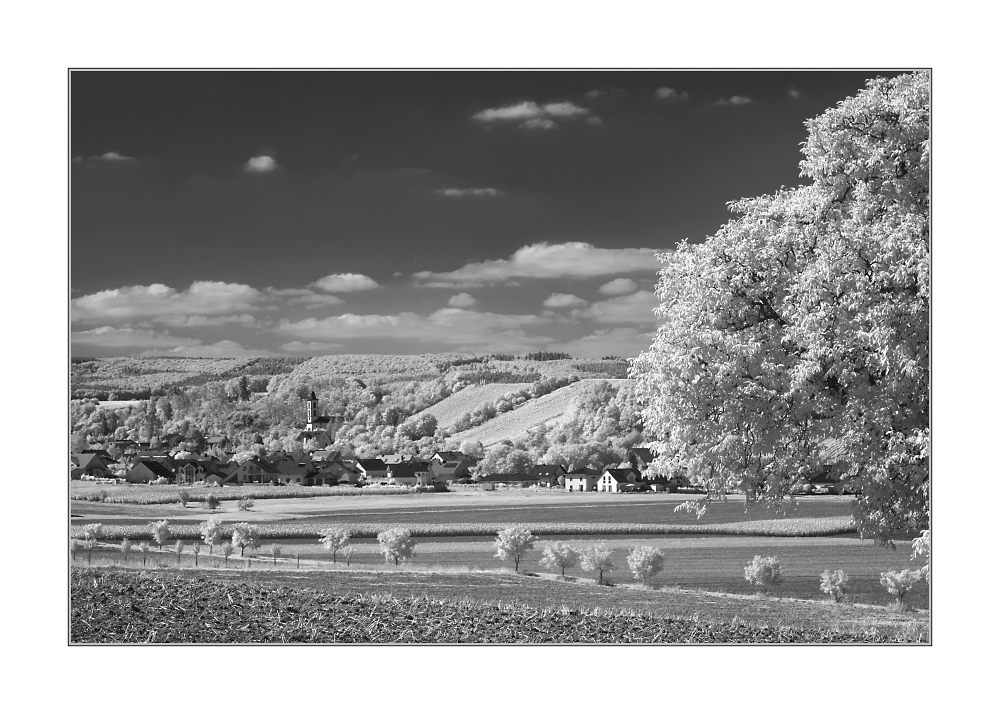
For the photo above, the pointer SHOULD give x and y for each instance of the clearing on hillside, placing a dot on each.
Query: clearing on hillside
(448, 410)
(554, 408)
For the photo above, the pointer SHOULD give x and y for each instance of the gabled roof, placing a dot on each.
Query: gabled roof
(372, 464)
(621, 475)
(89, 461)
(158, 469)
(99, 452)
(450, 456)
(583, 471)
(217, 439)
(547, 470)
(326, 455)
(407, 469)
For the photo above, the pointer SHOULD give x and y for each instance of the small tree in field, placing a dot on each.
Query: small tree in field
(597, 557)
(834, 584)
(900, 582)
(179, 548)
(183, 497)
(161, 532)
(245, 536)
(125, 548)
(645, 561)
(89, 545)
(245, 504)
(762, 572)
(348, 552)
(227, 550)
(211, 532)
(514, 542)
(559, 556)
(91, 531)
(334, 539)
(396, 544)
(144, 549)
(74, 546)
(212, 502)
(275, 553)
(196, 548)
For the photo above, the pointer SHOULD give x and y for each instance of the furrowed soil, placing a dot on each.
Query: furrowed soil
(109, 605)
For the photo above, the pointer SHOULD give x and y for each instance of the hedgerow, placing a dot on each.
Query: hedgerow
(792, 527)
(151, 496)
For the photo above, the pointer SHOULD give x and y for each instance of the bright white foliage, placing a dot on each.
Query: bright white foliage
(559, 556)
(245, 536)
(597, 557)
(513, 542)
(396, 544)
(922, 549)
(211, 532)
(806, 319)
(160, 531)
(762, 572)
(125, 547)
(334, 538)
(91, 531)
(900, 582)
(645, 561)
(834, 584)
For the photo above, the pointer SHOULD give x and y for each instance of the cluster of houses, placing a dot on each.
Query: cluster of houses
(326, 467)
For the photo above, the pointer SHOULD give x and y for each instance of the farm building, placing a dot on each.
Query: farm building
(547, 474)
(582, 479)
(91, 464)
(147, 471)
(410, 474)
(336, 472)
(617, 480)
(254, 470)
(372, 469)
(193, 470)
(449, 470)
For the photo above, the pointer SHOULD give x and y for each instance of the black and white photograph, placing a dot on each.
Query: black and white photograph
(497, 356)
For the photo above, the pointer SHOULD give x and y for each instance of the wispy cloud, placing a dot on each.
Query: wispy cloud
(222, 348)
(794, 93)
(733, 101)
(531, 115)
(127, 338)
(669, 93)
(465, 192)
(345, 283)
(260, 164)
(115, 156)
(542, 260)
(627, 309)
(619, 286)
(159, 302)
(557, 300)
(304, 297)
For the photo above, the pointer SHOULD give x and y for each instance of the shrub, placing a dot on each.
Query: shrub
(245, 504)
(183, 497)
(762, 572)
(196, 549)
(834, 584)
(162, 481)
(125, 548)
(396, 544)
(334, 538)
(597, 557)
(900, 582)
(514, 542)
(348, 552)
(245, 536)
(275, 553)
(645, 561)
(212, 502)
(89, 545)
(161, 532)
(179, 548)
(91, 531)
(144, 549)
(559, 555)
(227, 550)
(102, 495)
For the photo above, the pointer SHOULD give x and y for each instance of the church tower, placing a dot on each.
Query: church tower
(312, 413)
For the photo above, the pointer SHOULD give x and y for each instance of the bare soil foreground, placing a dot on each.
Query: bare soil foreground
(111, 605)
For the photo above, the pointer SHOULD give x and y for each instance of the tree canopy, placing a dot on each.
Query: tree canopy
(801, 328)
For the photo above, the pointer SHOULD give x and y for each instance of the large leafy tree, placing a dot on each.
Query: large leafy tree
(804, 322)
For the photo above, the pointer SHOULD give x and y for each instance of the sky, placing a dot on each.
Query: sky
(309, 213)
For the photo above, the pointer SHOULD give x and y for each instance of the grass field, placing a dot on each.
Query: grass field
(550, 408)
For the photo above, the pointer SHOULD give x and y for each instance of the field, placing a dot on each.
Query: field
(110, 605)
(550, 409)
(449, 409)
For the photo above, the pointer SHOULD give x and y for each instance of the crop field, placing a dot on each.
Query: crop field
(449, 409)
(111, 605)
(550, 409)
(144, 494)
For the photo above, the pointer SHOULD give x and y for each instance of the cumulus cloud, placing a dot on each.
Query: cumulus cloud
(463, 192)
(119, 339)
(345, 283)
(619, 286)
(531, 115)
(557, 300)
(222, 348)
(544, 260)
(462, 300)
(733, 101)
(260, 164)
(115, 156)
(157, 302)
(669, 93)
(243, 320)
(636, 308)
(462, 330)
